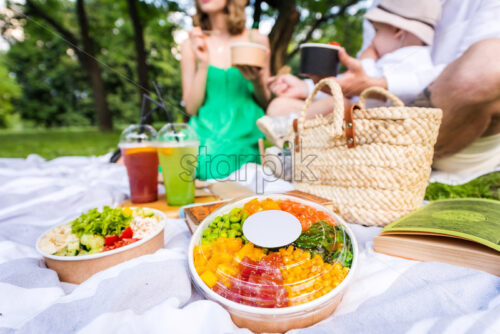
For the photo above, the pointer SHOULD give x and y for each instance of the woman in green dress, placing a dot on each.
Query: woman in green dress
(224, 102)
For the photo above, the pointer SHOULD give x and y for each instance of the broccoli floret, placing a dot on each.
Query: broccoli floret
(94, 243)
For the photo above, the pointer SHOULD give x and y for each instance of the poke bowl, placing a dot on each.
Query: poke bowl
(276, 288)
(97, 240)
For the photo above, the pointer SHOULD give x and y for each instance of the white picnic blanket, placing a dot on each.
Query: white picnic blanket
(153, 294)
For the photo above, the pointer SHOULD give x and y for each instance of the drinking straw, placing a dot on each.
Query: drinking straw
(169, 117)
(159, 105)
(143, 117)
(117, 154)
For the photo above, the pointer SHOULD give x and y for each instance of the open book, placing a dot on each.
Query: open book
(464, 232)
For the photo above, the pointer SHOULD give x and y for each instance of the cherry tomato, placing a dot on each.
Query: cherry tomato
(127, 233)
(111, 239)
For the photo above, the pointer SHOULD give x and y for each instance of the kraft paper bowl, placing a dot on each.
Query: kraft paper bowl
(251, 54)
(77, 269)
(274, 320)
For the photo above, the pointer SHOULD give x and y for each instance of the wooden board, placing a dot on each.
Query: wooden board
(170, 211)
(201, 197)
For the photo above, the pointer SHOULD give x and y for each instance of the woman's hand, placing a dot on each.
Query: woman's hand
(288, 85)
(251, 73)
(199, 45)
(256, 75)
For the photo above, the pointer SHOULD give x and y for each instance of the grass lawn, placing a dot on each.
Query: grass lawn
(53, 143)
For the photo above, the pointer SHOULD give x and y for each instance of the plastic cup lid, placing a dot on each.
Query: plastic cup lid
(138, 134)
(177, 134)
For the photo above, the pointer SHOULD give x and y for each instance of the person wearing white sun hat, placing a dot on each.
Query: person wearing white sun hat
(418, 17)
(404, 31)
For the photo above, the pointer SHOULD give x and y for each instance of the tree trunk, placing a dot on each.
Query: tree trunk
(104, 118)
(257, 12)
(86, 58)
(282, 32)
(140, 49)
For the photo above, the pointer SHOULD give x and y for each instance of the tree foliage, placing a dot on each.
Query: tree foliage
(47, 86)
(55, 89)
(301, 21)
(9, 92)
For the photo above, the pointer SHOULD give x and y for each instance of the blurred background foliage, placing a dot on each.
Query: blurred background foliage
(44, 81)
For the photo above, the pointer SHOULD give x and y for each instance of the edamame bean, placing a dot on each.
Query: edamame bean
(234, 219)
(244, 216)
(235, 212)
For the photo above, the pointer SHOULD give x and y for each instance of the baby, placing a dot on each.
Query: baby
(404, 31)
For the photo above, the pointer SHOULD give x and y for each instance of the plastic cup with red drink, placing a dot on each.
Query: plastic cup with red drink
(137, 144)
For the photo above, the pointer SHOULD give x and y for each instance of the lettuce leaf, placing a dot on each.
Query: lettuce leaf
(108, 222)
(330, 242)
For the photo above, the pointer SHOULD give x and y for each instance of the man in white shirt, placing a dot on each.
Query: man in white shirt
(466, 57)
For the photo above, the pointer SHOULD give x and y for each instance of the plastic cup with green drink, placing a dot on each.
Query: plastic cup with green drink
(177, 148)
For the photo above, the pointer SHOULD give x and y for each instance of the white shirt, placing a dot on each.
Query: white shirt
(462, 23)
(416, 58)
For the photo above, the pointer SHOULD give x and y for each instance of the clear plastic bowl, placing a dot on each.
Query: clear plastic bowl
(273, 290)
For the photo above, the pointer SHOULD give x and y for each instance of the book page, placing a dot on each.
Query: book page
(473, 219)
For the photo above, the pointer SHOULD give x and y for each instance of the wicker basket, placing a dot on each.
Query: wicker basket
(373, 164)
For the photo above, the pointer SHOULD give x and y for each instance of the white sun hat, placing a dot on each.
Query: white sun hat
(416, 16)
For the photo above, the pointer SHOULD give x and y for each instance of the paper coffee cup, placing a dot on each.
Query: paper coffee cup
(319, 59)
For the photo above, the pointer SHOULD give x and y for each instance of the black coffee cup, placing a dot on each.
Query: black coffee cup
(319, 59)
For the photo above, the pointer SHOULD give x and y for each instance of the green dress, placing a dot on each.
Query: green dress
(225, 124)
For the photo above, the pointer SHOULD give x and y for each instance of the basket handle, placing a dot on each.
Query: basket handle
(380, 91)
(338, 104)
